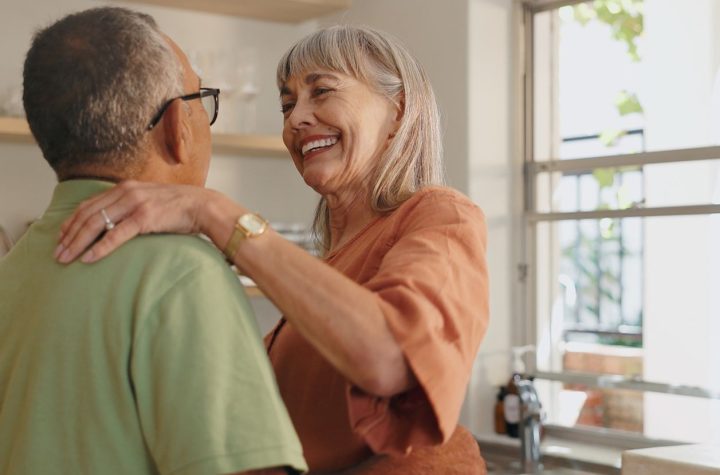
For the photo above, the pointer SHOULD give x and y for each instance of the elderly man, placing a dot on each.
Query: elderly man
(149, 361)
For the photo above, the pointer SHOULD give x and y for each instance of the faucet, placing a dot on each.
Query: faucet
(530, 420)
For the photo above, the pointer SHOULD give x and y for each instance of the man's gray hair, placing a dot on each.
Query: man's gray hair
(92, 82)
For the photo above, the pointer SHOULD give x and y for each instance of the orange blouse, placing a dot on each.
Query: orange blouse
(425, 263)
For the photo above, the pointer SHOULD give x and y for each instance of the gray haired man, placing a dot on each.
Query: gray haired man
(149, 361)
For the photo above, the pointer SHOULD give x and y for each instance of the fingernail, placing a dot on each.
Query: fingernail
(58, 250)
(88, 257)
(64, 256)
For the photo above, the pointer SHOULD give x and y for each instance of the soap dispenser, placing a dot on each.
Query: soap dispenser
(511, 402)
(511, 408)
(500, 411)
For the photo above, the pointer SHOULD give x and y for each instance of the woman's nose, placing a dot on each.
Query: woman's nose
(302, 115)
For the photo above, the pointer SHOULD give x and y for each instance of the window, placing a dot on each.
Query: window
(622, 214)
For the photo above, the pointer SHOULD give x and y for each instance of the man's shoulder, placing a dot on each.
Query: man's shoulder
(161, 266)
(174, 253)
(189, 246)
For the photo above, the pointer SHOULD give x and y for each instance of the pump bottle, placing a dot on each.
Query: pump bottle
(511, 402)
(500, 427)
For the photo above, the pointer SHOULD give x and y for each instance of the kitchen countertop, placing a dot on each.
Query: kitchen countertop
(563, 448)
(698, 459)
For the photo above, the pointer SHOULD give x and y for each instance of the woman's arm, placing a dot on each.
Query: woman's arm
(340, 318)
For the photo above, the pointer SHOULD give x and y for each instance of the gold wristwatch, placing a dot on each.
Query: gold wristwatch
(247, 226)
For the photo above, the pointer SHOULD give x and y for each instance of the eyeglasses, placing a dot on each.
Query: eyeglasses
(209, 98)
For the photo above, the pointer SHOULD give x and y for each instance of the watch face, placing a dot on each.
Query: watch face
(253, 223)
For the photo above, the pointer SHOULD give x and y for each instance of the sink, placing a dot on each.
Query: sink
(503, 459)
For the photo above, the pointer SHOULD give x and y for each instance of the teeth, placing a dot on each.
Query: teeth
(326, 142)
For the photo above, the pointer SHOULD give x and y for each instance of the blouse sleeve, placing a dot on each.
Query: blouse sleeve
(432, 287)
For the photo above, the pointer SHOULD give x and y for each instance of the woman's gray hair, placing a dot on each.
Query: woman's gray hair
(92, 82)
(413, 159)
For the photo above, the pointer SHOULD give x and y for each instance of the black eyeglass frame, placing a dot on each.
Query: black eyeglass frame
(204, 92)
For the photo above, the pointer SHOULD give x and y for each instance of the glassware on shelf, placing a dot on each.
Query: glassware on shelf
(235, 74)
(213, 68)
(247, 89)
(11, 102)
(297, 233)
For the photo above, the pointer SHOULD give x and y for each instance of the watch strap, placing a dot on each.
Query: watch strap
(240, 233)
(236, 238)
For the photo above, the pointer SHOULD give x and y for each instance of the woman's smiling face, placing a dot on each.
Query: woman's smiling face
(336, 128)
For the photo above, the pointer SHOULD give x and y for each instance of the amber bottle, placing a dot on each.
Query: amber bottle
(500, 411)
(511, 409)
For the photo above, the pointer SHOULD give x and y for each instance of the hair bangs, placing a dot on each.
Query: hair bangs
(329, 50)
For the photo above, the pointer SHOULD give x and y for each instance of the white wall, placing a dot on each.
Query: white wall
(466, 48)
(495, 177)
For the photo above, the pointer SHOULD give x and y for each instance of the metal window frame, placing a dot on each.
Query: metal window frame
(614, 381)
(637, 212)
(613, 161)
(534, 169)
(537, 6)
(531, 218)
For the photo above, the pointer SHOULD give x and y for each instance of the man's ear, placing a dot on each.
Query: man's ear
(178, 133)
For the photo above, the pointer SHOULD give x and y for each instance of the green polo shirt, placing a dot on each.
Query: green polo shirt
(148, 361)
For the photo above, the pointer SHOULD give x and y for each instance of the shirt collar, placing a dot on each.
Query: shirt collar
(69, 194)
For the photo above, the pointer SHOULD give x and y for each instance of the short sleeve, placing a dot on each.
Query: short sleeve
(432, 287)
(205, 392)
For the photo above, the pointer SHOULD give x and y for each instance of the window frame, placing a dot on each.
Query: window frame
(531, 218)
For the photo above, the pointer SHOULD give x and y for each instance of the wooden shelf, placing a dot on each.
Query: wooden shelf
(14, 129)
(286, 11)
(253, 292)
(251, 289)
(266, 145)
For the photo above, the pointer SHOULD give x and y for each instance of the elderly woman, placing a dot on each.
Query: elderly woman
(375, 349)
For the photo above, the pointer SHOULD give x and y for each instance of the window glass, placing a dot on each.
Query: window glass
(633, 186)
(636, 297)
(628, 76)
(657, 416)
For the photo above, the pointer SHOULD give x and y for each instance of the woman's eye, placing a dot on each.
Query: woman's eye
(286, 107)
(319, 91)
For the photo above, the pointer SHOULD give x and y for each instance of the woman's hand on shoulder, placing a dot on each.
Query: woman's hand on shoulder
(133, 208)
